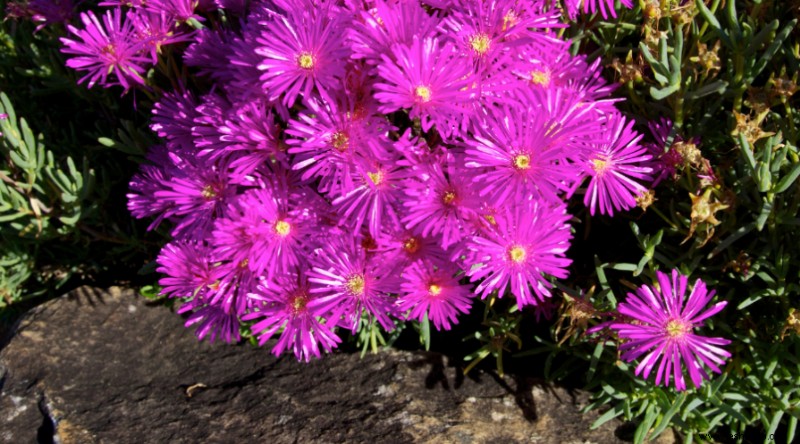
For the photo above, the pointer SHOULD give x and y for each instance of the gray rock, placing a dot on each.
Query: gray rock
(103, 366)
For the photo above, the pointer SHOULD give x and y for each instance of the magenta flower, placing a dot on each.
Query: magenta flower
(156, 30)
(661, 325)
(188, 269)
(179, 10)
(605, 7)
(398, 248)
(333, 139)
(526, 242)
(284, 307)
(303, 51)
(377, 30)
(210, 52)
(213, 321)
(349, 285)
(142, 201)
(441, 201)
(265, 231)
(374, 199)
(231, 290)
(434, 292)
(194, 195)
(111, 47)
(666, 159)
(615, 166)
(47, 12)
(528, 155)
(486, 29)
(173, 118)
(253, 138)
(430, 79)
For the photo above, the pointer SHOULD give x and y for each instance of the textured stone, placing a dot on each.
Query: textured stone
(103, 366)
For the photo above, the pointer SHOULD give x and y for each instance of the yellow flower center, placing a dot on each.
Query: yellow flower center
(340, 141)
(423, 93)
(434, 290)
(522, 161)
(599, 166)
(299, 303)
(517, 254)
(411, 245)
(208, 192)
(305, 60)
(541, 78)
(490, 219)
(282, 227)
(448, 197)
(355, 285)
(376, 177)
(677, 328)
(480, 43)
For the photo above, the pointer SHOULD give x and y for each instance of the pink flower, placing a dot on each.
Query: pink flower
(616, 166)
(430, 79)
(268, 231)
(527, 151)
(661, 327)
(188, 269)
(303, 51)
(441, 200)
(348, 286)
(374, 199)
(214, 321)
(111, 47)
(284, 307)
(434, 292)
(333, 139)
(605, 7)
(527, 242)
(375, 31)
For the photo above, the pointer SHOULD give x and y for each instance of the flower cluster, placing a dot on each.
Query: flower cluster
(365, 162)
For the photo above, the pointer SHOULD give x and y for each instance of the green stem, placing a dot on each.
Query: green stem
(664, 217)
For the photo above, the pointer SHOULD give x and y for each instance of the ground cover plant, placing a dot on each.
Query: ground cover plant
(610, 186)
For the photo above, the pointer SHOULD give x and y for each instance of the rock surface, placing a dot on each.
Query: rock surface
(103, 366)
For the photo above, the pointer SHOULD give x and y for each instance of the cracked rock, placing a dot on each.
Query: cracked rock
(103, 366)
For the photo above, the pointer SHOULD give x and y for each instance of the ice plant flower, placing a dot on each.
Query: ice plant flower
(389, 23)
(430, 79)
(616, 166)
(285, 306)
(302, 51)
(661, 328)
(330, 140)
(347, 285)
(252, 138)
(374, 199)
(440, 204)
(344, 163)
(526, 242)
(187, 268)
(666, 159)
(113, 46)
(156, 30)
(605, 7)
(180, 10)
(434, 292)
(213, 321)
(525, 151)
